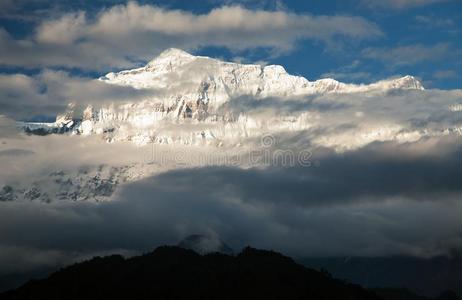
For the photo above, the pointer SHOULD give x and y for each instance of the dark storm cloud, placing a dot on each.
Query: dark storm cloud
(332, 179)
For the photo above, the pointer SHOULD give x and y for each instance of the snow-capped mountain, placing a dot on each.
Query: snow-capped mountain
(216, 81)
(87, 183)
(199, 100)
(188, 86)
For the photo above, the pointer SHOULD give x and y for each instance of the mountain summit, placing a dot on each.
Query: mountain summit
(224, 80)
(174, 52)
(170, 58)
(221, 99)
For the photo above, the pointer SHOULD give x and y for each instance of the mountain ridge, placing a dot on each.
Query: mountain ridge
(171, 59)
(171, 272)
(177, 273)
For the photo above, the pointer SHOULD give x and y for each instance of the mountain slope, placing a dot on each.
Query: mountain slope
(176, 273)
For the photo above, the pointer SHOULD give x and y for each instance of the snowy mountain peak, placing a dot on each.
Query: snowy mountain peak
(174, 52)
(183, 89)
(407, 82)
(218, 81)
(275, 69)
(170, 58)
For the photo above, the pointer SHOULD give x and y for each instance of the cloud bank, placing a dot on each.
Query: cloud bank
(413, 54)
(367, 202)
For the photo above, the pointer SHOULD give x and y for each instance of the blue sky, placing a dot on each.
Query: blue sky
(367, 40)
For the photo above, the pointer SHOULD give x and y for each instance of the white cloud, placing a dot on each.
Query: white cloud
(399, 4)
(349, 76)
(63, 31)
(444, 74)
(350, 73)
(49, 92)
(412, 54)
(129, 33)
(8, 128)
(20, 93)
(430, 21)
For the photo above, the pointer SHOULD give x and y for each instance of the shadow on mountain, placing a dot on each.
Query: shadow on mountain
(178, 273)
